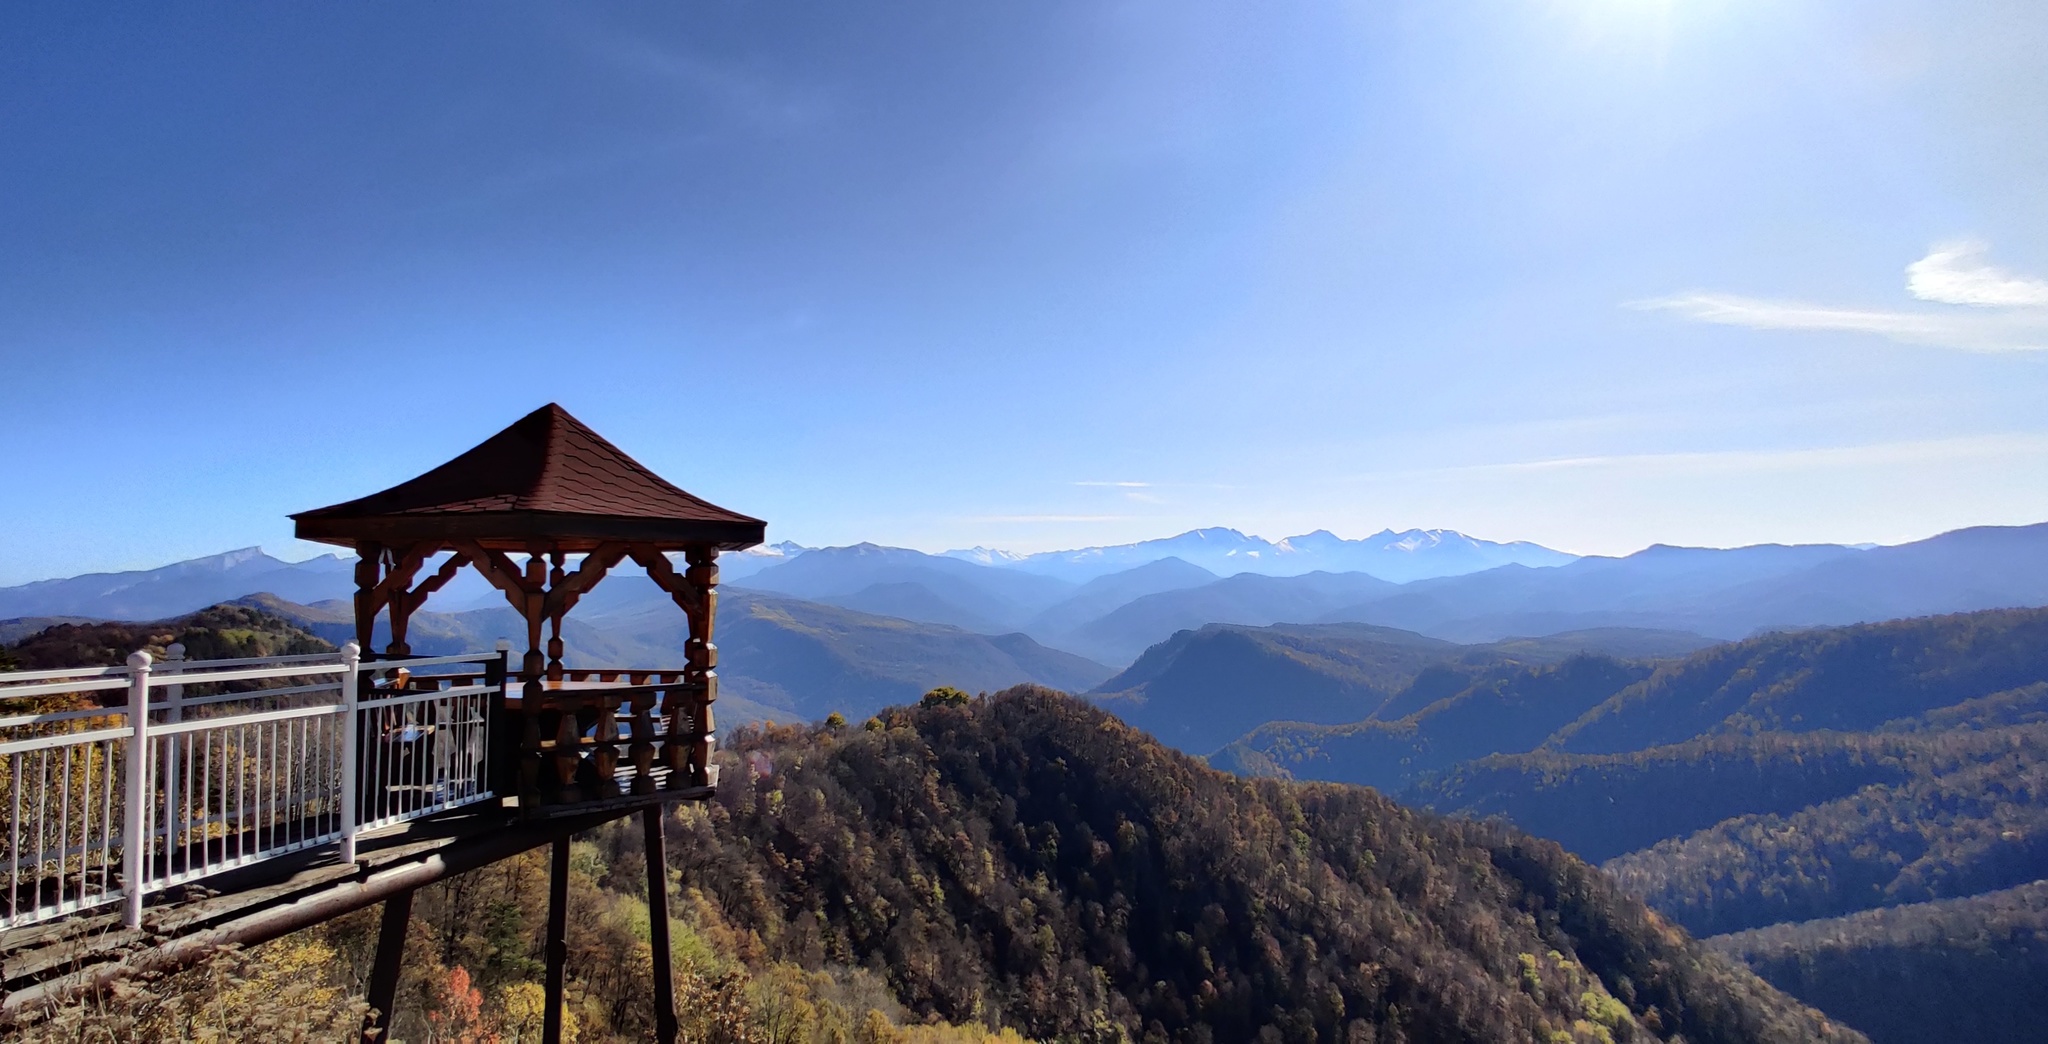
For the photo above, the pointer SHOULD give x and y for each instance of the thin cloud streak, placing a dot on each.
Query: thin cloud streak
(1963, 331)
(1117, 485)
(2002, 312)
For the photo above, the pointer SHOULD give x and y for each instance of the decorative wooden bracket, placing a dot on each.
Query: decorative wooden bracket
(688, 596)
(497, 568)
(563, 596)
(399, 577)
(413, 599)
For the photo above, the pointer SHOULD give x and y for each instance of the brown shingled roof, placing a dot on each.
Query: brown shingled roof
(547, 478)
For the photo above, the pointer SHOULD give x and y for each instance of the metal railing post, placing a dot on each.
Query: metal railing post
(174, 710)
(132, 840)
(351, 657)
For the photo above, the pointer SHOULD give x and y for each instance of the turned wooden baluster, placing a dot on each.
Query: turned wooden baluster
(642, 750)
(555, 578)
(568, 749)
(701, 663)
(604, 756)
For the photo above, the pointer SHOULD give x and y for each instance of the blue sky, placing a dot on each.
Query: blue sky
(1596, 273)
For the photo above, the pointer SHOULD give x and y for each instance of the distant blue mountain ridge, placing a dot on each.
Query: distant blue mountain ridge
(1413, 554)
(1110, 604)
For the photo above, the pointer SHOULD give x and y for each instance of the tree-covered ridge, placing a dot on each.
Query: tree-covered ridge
(1498, 708)
(1815, 774)
(219, 632)
(2026, 705)
(1207, 687)
(1956, 969)
(1203, 688)
(1602, 805)
(1977, 669)
(1844, 678)
(1028, 860)
(1972, 817)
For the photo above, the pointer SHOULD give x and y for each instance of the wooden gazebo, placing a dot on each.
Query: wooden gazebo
(549, 488)
(565, 741)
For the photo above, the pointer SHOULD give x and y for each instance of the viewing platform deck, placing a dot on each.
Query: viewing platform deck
(254, 797)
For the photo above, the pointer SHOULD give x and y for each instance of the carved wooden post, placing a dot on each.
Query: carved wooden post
(533, 668)
(535, 665)
(369, 567)
(398, 587)
(701, 659)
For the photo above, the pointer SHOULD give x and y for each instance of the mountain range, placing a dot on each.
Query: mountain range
(1068, 602)
(1414, 554)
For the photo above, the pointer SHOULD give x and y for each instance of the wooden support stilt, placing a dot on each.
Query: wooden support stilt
(557, 951)
(657, 917)
(384, 973)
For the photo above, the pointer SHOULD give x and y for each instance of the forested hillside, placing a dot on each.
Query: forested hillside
(1970, 817)
(222, 632)
(1207, 687)
(1028, 855)
(1202, 688)
(1507, 707)
(1959, 969)
(1796, 778)
(1837, 678)
(1021, 866)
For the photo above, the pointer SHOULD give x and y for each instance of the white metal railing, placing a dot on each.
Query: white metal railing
(425, 748)
(293, 752)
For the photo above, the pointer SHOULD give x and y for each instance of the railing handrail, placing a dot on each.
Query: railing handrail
(63, 672)
(166, 667)
(383, 664)
(190, 702)
(56, 688)
(248, 674)
(63, 739)
(423, 695)
(48, 717)
(179, 728)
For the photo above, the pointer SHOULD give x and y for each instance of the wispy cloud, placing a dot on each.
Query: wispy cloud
(1999, 311)
(1117, 485)
(1956, 273)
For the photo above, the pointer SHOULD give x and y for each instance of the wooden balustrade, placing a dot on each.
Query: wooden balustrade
(605, 736)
